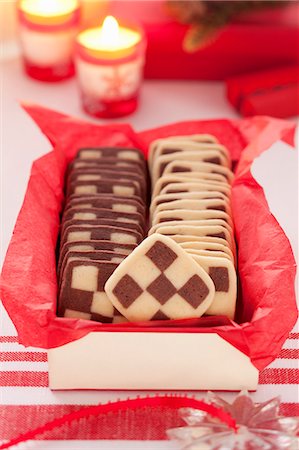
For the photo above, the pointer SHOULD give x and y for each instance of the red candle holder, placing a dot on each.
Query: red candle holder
(48, 42)
(110, 80)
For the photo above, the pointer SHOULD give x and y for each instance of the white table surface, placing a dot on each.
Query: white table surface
(162, 102)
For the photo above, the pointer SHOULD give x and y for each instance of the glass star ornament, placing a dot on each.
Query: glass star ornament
(259, 427)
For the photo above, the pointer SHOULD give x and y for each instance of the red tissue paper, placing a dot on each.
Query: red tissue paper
(267, 309)
(272, 92)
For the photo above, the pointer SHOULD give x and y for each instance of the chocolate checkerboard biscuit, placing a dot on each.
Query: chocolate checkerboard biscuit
(133, 154)
(223, 274)
(209, 204)
(93, 246)
(93, 255)
(101, 233)
(180, 187)
(159, 280)
(188, 167)
(192, 137)
(209, 156)
(92, 224)
(165, 180)
(187, 214)
(193, 223)
(82, 294)
(121, 204)
(97, 175)
(107, 164)
(205, 245)
(167, 198)
(77, 213)
(105, 186)
(173, 147)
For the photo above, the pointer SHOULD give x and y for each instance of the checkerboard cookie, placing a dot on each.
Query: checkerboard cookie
(197, 177)
(159, 281)
(200, 204)
(206, 245)
(167, 198)
(133, 154)
(127, 205)
(104, 186)
(101, 232)
(183, 186)
(173, 147)
(223, 274)
(94, 175)
(209, 156)
(77, 213)
(206, 138)
(188, 167)
(82, 294)
(107, 164)
(92, 255)
(93, 246)
(134, 227)
(186, 214)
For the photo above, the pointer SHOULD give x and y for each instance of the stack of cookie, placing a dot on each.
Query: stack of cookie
(103, 221)
(191, 187)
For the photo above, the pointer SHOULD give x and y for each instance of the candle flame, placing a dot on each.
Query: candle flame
(110, 32)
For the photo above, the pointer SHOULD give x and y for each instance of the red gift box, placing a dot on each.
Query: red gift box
(251, 42)
(273, 92)
(29, 284)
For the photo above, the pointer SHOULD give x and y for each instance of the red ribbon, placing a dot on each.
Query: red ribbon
(122, 405)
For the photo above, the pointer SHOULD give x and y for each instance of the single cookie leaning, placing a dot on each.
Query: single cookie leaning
(159, 281)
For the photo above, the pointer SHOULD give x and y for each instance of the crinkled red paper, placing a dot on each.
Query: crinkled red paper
(267, 307)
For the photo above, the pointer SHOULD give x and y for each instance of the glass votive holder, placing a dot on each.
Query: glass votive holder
(109, 66)
(48, 30)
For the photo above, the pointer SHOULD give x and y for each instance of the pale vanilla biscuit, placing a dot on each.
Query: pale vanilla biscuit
(173, 147)
(160, 281)
(209, 231)
(188, 214)
(200, 195)
(193, 223)
(213, 204)
(210, 156)
(180, 187)
(206, 245)
(223, 274)
(208, 253)
(188, 167)
(192, 137)
(165, 180)
(186, 238)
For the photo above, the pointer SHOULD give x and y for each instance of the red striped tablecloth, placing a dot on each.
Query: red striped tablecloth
(26, 401)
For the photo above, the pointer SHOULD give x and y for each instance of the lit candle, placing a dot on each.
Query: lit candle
(48, 29)
(109, 65)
